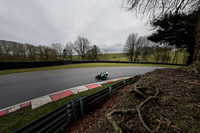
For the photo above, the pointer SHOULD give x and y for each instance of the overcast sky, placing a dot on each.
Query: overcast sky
(42, 22)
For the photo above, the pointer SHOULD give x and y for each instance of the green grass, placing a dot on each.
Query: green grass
(76, 57)
(24, 116)
(103, 56)
(122, 57)
(85, 65)
(113, 56)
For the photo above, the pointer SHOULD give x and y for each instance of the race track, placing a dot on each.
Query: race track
(20, 87)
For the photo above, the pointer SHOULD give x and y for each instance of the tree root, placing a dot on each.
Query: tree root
(138, 109)
(175, 127)
(117, 129)
(138, 92)
(159, 124)
(194, 67)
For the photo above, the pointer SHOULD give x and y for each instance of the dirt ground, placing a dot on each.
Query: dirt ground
(175, 109)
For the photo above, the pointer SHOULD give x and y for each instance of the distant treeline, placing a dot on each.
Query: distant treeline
(139, 48)
(136, 48)
(24, 52)
(19, 52)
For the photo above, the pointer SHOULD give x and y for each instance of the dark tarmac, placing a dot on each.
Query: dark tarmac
(21, 87)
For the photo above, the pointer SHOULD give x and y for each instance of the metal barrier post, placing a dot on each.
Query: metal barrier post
(68, 110)
(81, 106)
(124, 82)
(110, 91)
(73, 110)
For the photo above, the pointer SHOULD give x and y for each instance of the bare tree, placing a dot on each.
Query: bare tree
(47, 53)
(41, 52)
(129, 47)
(157, 53)
(14, 51)
(161, 53)
(185, 55)
(93, 52)
(58, 48)
(22, 52)
(6, 45)
(53, 54)
(138, 46)
(146, 48)
(1, 52)
(81, 46)
(166, 54)
(160, 7)
(31, 52)
(69, 50)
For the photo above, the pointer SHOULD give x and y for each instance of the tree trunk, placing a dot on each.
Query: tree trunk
(195, 66)
(177, 57)
(168, 57)
(197, 46)
(131, 57)
(184, 57)
(175, 54)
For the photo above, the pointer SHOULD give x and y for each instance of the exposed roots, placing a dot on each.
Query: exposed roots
(138, 92)
(117, 129)
(159, 124)
(194, 67)
(138, 109)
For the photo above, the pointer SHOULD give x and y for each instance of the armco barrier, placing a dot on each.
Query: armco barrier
(76, 62)
(59, 118)
(20, 65)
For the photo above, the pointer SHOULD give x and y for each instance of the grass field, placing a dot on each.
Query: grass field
(111, 57)
(24, 116)
(122, 57)
(103, 57)
(85, 65)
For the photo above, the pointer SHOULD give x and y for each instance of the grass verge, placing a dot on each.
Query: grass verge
(85, 65)
(150, 58)
(24, 116)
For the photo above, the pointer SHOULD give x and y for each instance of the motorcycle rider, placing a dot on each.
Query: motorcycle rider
(103, 74)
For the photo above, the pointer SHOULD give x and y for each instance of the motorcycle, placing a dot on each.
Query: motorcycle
(102, 75)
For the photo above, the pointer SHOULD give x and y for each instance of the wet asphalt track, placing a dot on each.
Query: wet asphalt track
(20, 87)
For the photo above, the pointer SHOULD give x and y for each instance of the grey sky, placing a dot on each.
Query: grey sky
(43, 22)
